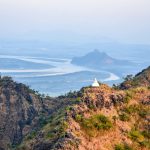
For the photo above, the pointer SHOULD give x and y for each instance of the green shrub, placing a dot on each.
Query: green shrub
(68, 108)
(123, 147)
(131, 109)
(87, 123)
(91, 106)
(42, 121)
(50, 135)
(128, 77)
(78, 99)
(78, 117)
(134, 82)
(63, 126)
(136, 135)
(97, 122)
(21, 147)
(31, 135)
(145, 143)
(114, 118)
(124, 117)
(140, 110)
(142, 138)
(119, 147)
(143, 113)
(129, 96)
(146, 134)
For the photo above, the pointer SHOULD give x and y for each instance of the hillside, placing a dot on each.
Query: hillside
(94, 118)
(103, 118)
(140, 79)
(22, 110)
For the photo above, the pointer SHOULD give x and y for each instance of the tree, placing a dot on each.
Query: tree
(128, 77)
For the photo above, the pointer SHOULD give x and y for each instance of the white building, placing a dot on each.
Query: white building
(95, 83)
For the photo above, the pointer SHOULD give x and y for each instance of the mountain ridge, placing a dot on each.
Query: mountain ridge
(104, 117)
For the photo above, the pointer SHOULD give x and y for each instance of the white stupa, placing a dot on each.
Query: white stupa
(95, 83)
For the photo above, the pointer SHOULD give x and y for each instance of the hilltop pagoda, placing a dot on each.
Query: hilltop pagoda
(95, 83)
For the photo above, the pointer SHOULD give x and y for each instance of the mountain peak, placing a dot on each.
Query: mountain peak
(94, 57)
(98, 60)
(96, 51)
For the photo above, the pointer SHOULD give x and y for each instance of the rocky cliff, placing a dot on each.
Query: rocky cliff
(23, 112)
(19, 111)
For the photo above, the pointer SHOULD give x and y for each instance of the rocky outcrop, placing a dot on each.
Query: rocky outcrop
(102, 97)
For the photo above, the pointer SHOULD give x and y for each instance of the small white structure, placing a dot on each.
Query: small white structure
(95, 83)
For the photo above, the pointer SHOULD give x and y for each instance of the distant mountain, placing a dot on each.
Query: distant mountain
(99, 60)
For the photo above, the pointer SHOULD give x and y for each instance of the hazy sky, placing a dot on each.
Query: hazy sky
(121, 20)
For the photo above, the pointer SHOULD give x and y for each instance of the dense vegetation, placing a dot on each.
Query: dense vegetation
(94, 124)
